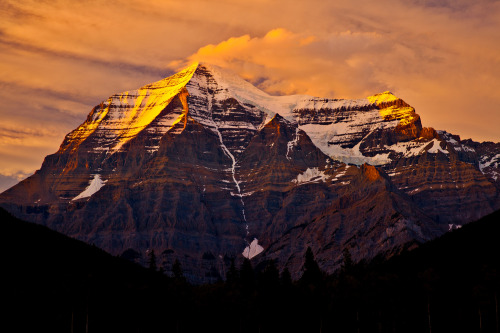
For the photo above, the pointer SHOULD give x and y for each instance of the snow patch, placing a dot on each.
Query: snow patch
(309, 176)
(292, 143)
(324, 136)
(243, 194)
(95, 185)
(415, 190)
(252, 249)
(486, 162)
(415, 148)
(410, 148)
(454, 226)
(436, 147)
(341, 174)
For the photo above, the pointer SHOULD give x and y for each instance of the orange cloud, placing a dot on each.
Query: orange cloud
(284, 62)
(357, 64)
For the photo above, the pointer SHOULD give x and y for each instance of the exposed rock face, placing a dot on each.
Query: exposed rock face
(202, 167)
(483, 155)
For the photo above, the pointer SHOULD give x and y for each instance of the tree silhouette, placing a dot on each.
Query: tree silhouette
(247, 274)
(347, 262)
(177, 270)
(152, 260)
(286, 278)
(270, 277)
(312, 274)
(232, 274)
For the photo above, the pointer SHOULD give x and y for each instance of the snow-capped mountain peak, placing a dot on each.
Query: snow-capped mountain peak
(203, 167)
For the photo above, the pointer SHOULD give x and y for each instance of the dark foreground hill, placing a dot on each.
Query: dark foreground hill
(57, 284)
(450, 284)
(53, 283)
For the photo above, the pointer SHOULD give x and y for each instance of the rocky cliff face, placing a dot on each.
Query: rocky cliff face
(204, 167)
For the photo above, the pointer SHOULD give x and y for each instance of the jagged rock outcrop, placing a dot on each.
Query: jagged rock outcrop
(483, 155)
(204, 167)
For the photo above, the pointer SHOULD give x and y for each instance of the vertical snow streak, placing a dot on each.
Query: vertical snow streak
(233, 166)
(233, 171)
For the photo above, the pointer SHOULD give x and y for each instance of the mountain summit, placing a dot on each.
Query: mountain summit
(204, 167)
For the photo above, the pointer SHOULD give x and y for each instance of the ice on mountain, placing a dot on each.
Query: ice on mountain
(309, 176)
(252, 249)
(231, 85)
(436, 147)
(95, 185)
(486, 162)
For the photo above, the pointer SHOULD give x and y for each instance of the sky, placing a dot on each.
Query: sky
(58, 58)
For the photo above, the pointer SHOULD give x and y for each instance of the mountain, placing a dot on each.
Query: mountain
(204, 167)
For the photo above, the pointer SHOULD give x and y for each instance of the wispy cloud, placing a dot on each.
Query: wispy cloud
(89, 60)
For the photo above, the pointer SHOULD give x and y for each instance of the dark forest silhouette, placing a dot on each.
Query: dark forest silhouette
(57, 284)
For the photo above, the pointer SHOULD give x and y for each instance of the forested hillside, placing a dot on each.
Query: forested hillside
(54, 283)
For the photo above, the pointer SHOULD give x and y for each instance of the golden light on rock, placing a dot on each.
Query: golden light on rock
(123, 121)
(392, 108)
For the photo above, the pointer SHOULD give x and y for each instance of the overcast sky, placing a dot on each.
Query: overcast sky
(60, 58)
